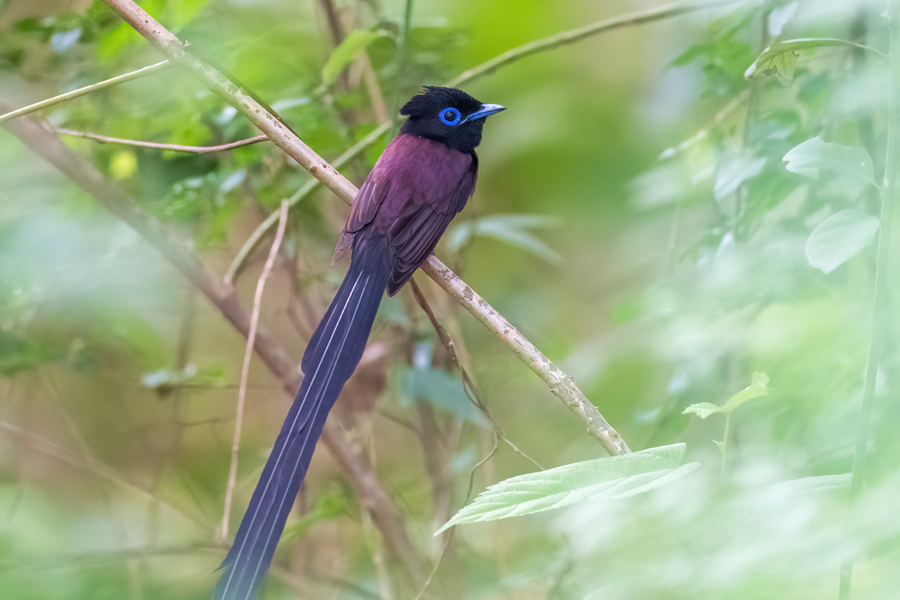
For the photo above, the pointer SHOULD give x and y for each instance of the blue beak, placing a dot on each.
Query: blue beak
(486, 110)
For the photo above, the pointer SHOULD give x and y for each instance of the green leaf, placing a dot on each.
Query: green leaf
(779, 17)
(439, 388)
(604, 479)
(347, 52)
(756, 389)
(839, 238)
(810, 157)
(734, 173)
(511, 229)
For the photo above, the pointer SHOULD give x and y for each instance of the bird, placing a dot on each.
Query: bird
(420, 182)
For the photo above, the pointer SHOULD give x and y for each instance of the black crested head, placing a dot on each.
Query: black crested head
(447, 115)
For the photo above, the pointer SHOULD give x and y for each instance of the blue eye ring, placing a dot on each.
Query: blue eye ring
(450, 116)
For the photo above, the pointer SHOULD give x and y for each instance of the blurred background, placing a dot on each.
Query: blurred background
(634, 218)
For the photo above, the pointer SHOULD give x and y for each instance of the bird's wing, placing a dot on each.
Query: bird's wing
(371, 193)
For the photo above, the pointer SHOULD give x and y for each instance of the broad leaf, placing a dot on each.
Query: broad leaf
(594, 480)
(810, 157)
(347, 52)
(839, 238)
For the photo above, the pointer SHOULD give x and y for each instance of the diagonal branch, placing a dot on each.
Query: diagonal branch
(574, 35)
(559, 383)
(88, 89)
(46, 144)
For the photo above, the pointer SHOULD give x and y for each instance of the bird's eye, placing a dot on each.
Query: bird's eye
(449, 116)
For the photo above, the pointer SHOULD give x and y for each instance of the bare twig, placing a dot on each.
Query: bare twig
(574, 35)
(92, 465)
(157, 146)
(90, 89)
(559, 383)
(449, 539)
(245, 369)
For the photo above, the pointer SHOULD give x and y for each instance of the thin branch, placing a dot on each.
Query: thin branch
(880, 295)
(559, 383)
(46, 144)
(449, 540)
(245, 369)
(575, 35)
(160, 66)
(157, 146)
(94, 466)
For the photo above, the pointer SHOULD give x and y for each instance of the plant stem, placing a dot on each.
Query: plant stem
(888, 189)
(160, 66)
(725, 443)
(104, 139)
(401, 62)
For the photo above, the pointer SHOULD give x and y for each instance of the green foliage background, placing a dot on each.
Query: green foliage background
(634, 218)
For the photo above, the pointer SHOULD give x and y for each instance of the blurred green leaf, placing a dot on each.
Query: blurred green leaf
(779, 17)
(839, 238)
(814, 155)
(335, 502)
(756, 389)
(604, 479)
(439, 388)
(735, 172)
(347, 52)
(510, 229)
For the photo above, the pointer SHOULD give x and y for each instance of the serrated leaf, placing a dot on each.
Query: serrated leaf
(511, 229)
(604, 479)
(839, 238)
(756, 389)
(347, 52)
(810, 157)
(734, 173)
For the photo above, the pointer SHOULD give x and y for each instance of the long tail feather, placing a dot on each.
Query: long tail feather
(331, 357)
